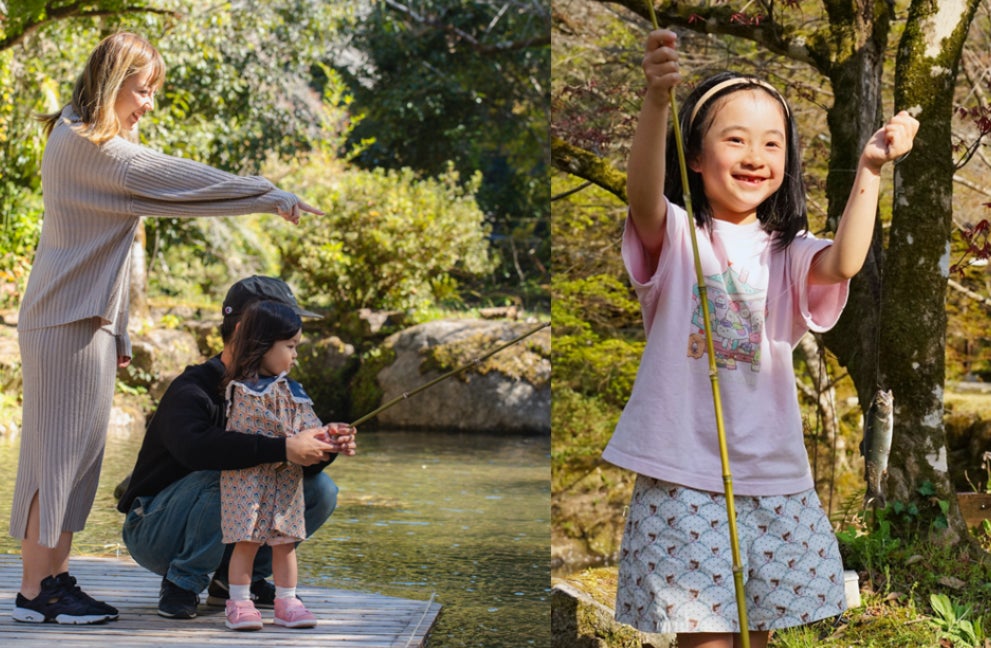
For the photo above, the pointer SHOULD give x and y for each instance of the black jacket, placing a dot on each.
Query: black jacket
(187, 433)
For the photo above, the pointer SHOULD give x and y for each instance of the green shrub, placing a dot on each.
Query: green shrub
(324, 369)
(582, 427)
(201, 257)
(390, 240)
(589, 355)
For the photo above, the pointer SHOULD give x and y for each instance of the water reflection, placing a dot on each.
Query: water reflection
(463, 517)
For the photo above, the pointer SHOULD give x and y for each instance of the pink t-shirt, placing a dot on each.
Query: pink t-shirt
(760, 304)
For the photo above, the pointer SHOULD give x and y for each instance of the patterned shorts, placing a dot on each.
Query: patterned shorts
(676, 565)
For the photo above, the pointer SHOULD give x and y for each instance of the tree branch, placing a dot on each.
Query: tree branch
(981, 299)
(721, 18)
(473, 43)
(971, 185)
(564, 194)
(588, 166)
(17, 33)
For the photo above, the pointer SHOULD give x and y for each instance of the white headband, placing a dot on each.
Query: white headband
(732, 82)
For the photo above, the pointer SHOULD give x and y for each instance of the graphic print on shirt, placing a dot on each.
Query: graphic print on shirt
(736, 311)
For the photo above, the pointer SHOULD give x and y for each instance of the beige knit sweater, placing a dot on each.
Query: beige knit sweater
(94, 196)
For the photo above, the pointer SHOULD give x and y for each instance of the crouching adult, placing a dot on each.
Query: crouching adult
(172, 500)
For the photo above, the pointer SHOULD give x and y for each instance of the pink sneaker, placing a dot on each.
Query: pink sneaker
(291, 613)
(242, 615)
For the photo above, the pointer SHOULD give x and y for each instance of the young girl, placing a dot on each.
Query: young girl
(264, 504)
(72, 326)
(768, 281)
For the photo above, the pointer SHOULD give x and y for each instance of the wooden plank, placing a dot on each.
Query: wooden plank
(345, 618)
(975, 508)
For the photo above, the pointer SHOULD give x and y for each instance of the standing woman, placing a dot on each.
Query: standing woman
(72, 329)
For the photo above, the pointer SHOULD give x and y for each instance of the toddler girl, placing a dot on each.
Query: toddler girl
(264, 504)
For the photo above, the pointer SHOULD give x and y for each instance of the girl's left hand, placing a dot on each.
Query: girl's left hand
(891, 141)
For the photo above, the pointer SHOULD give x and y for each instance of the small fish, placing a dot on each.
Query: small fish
(878, 429)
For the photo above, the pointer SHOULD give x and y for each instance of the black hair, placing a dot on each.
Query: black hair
(263, 324)
(784, 213)
(227, 327)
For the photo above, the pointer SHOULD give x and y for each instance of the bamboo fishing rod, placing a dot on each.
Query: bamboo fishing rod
(447, 375)
(741, 601)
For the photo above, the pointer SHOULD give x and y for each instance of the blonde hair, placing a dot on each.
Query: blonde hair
(117, 58)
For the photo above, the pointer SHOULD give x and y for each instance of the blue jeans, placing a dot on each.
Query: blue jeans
(177, 532)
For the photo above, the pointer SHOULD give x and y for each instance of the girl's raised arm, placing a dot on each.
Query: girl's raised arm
(645, 168)
(845, 257)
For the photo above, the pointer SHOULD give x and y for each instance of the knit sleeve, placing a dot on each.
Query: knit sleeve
(163, 185)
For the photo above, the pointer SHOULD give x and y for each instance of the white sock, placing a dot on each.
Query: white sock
(285, 592)
(240, 592)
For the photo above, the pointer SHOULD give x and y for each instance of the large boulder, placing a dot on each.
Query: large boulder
(582, 615)
(157, 357)
(507, 392)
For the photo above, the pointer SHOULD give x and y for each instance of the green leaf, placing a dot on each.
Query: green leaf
(942, 606)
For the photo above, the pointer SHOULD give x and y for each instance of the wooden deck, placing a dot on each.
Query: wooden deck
(346, 619)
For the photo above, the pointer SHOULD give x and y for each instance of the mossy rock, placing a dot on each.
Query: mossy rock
(509, 391)
(582, 615)
(521, 361)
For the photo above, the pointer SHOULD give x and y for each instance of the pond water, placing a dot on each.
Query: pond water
(461, 517)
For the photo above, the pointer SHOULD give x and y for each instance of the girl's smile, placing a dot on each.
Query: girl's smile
(743, 155)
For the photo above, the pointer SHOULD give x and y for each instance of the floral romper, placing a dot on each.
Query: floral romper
(265, 503)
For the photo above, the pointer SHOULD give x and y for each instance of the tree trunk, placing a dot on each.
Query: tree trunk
(828, 454)
(139, 275)
(913, 329)
(855, 75)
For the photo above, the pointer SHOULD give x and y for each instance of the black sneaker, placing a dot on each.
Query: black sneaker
(68, 583)
(262, 593)
(56, 604)
(175, 602)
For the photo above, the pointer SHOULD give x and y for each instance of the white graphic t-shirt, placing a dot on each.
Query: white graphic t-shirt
(760, 305)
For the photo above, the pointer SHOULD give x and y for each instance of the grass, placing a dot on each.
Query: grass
(966, 403)
(915, 592)
(877, 624)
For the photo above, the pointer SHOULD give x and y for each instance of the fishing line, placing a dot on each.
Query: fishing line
(453, 372)
(880, 310)
(416, 628)
(832, 450)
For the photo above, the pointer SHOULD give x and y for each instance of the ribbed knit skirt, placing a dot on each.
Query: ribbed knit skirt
(69, 375)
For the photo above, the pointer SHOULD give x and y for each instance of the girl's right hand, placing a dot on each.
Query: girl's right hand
(660, 64)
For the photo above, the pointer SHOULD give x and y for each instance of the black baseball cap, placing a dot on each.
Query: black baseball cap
(256, 288)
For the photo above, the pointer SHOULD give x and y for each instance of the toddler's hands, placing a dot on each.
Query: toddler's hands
(660, 64)
(308, 447)
(341, 437)
(891, 141)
